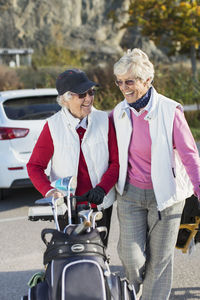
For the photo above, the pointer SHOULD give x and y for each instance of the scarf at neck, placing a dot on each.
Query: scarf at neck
(142, 102)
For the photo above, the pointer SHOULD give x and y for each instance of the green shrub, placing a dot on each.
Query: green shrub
(9, 79)
(57, 56)
(108, 94)
(193, 119)
(39, 78)
(196, 133)
(173, 81)
(176, 83)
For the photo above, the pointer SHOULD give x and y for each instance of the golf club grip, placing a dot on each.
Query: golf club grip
(81, 227)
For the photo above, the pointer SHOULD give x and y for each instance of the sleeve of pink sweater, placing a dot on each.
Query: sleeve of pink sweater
(185, 144)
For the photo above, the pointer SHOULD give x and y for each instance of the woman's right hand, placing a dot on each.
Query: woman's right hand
(54, 193)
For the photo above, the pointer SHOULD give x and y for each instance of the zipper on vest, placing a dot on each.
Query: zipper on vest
(173, 172)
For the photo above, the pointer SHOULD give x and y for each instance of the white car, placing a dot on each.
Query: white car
(22, 116)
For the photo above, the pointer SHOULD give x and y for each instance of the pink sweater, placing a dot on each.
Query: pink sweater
(139, 165)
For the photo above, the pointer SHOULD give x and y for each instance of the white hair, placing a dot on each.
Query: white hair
(61, 99)
(137, 63)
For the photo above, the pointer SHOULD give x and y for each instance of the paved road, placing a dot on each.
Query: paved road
(21, 251)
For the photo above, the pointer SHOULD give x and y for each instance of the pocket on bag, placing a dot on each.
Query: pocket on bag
(121, 288)
(39, 291)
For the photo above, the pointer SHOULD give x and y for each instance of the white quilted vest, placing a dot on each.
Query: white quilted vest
(94, 146)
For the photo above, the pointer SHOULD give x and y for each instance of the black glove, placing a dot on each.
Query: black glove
(95, 195)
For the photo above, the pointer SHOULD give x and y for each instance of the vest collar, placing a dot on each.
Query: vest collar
(124, 110)
(154, 107)
(75, 122)
(151, 107)
(69, 119)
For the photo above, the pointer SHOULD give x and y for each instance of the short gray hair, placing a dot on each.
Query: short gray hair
(137, 63)
(61, 99)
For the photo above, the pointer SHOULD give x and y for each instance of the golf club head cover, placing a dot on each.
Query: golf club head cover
(95, 195)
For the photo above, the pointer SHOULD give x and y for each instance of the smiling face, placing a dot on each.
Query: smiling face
(132, 88)
(79, 107)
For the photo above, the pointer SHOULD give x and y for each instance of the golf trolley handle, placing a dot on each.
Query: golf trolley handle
(54, 206)
(45, 232)
(67, 184)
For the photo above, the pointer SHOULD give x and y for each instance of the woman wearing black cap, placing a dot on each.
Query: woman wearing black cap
(79, 141)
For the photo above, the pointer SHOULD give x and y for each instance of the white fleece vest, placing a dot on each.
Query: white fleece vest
(94, 146)
(170, 181)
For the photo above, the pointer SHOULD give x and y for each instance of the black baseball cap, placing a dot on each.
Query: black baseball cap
(73, 80)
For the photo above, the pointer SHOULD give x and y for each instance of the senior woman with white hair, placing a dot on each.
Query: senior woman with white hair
(78, 141)
(159, 168)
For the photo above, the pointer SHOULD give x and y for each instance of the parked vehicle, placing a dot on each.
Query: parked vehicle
(22, 116)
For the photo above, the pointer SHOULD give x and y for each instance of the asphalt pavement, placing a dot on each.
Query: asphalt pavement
(21, 251)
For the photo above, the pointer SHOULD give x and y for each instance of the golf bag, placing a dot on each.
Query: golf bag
(77, 268)
(76, 265)
(190, 224)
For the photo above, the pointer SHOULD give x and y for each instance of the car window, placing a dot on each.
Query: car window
(31, 108)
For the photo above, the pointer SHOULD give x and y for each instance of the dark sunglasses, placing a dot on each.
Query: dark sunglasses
(127, 82)
(90, 92)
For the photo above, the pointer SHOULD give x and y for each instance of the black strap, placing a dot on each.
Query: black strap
(63, 251)
(52, 232)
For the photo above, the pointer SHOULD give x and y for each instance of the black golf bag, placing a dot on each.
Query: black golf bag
(77, 269)
(76, 265)
(190, 224)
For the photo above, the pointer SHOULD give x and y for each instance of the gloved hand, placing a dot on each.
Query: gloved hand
(95, 195)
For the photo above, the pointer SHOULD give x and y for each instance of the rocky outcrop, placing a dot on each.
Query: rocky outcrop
(75, 24)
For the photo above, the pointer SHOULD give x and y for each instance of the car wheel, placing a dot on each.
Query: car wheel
(1, 194)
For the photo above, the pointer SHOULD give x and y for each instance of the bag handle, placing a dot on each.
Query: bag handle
(46, 231)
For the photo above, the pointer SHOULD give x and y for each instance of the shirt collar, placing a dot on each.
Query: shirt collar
(82, 123)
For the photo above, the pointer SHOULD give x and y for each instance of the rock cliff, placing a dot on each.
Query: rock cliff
(74, 24)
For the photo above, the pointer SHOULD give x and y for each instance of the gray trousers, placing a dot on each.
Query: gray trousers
(146, 243)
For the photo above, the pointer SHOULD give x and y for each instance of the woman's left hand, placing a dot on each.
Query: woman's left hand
(95, 195)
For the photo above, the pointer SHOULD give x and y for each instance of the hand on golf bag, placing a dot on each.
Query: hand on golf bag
(94, 195)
